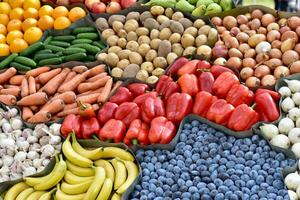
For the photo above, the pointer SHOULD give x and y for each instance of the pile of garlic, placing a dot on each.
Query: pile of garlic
(23, 151)
(292, 182)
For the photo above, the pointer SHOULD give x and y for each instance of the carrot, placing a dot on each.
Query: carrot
(72, 84)
(70, 76)
(35, 99)
(53, 106)
(31, 85)
(40, 117)
(116, 86)
(90, 98)
(70, 106)
(36, 72)
(37, 86)
(26, 113)
(83, 87)
(99, 90)
(67, 97)
(47, 76)
(12, 91)
(24, 88)
(1, 87)
(16, 80)
(97, 77)
(34, 108)
(96, 70)
(67, 112)
(5, 76)
(52, 86)
(8, 99)
(10, 86)
(105, 92)
(80, 69)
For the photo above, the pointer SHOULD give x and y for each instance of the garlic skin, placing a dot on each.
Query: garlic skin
(287, 104)
(16, 124)
(292, 181)
(285, 92)
(55, 129)
(281, 141)
(7, 160)
(29, 171)
(269, 130)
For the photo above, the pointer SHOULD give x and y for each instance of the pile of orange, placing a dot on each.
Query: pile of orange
(22, 22)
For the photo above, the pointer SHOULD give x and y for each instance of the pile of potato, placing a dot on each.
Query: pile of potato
(143, 44)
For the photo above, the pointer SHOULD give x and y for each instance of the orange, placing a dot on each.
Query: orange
(32, 4)
(18, 45)
(11, 36)
(45, 22)
(14, 24)
(45, 10)
(2, 39)
(76, 13)
(33, 34)
(4, 8)
(16, 3)
(4, 19)
(31, 13)
(16, 13)
(4, 50)
(29, 22)
(3, 29)
(60, 11)
(62, 23)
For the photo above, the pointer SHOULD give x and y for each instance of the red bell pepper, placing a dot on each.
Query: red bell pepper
(71, 123)
(151, 108)
(223, 84)
(220, 112)
(107, 112)
(242, 118)
(267, 107)
(86, 109)
(166, 87)
(178, 106)
(203, 65)
(173, 69)
(239, 94)
(112, 131)
(203, 101)
(274, 95)
(138, 89)
(127, 112)
(188, 84)
(161, 131)
(139, 100)
(206, 81)
(217, 70)
(188, 68)
(137, 133)
(89, 127)
(122, 95)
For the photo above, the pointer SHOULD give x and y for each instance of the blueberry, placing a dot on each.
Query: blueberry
(233, 197)
(250, 184)
(183, 188)
(228, 182)
(201, 185)
(186, 195)
(223, 189)
(195, 196)
(260, 179)
(262, 193)
(219, 196)
(152, 195)
(188, 183)
(174, 188)
(228, 194)
(278, 184)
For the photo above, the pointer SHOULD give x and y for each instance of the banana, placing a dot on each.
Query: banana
(77, 188)
(15, 190)
(115, 196)
(96, 185)
(47, 195)
(109, 170)
(35, 195)
(24, 194)
(112, 152)
(133, 172)
(73, 179)
(56, 176)
(90, 154)
(106, 190)
(59, 195)
(80, 171)
(121, 173)
(73, 156)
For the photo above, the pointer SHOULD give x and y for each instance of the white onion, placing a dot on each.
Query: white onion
(292, 195)
(296, 98)
(296, 149)
(285, 91)
(285, 125)
(281, 141)
(269, 130)
(292, 181)
(294, 113)
(294, 85)
(298, 192)
(294, 135)
(287, 104)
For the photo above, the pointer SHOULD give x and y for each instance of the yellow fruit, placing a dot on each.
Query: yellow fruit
(31, 13)
(14, 24)
(29, 22)
(4, 50)
(4, 19)
(76, 13)
(60, 11)
(18, 45)
(32, 4)
(11, 36)
(45, 22)
(62, 23)
(16, 3)
(3, 29)
(2, 39)
(45, 10)
(16, 13)
(33, 34)
(4, 8)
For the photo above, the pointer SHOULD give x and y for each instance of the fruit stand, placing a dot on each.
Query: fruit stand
(154, 99)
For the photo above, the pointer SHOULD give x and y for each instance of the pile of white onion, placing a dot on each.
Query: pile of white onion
(292, 182)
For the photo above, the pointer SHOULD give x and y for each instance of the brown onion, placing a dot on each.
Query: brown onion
(273, 63)
(281, 71)
(244, 27)
(273, 35)
(250, 32)
(226, 34)
(257, 14)
(282, 22)
(220, 51)
(276, 44)
(234, 62)
(273, 26)
(289, 34)
(293, 22)
(220, 61)
(298, 30)
(219, 42)
(217, 21)
(275, 53)
(295, 67)
(289, 57)
(252, 82)
(297, 48)
(244, 47)
(262, 30)
(261, 71)
(246, 72)
(255, 39)
(261, 57)
(221, 29)
(255, 24)
(248, 15)
(233, 52)
(267, 19)
(242, 37)
(234, 31)
(232, 42)
(284, 29)
(288, 44)
(268, 80)
(250, 53)
(229, 22)
(242, 19)
(249, 62)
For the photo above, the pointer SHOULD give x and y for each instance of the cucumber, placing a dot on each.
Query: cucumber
(60, 44)
(90, 48)
(50, 61)
(39, 57)
(64, 38)
(54, 48)
(8, 60)
(71, 50)
(82, 41)
(32, 49)
(44, 51)
(99, 44)
(25, 61)
(76, 57)
(90, 58)
(48, 39)
(59, 53)
(91, 36)
(85, 29)
(19, 66)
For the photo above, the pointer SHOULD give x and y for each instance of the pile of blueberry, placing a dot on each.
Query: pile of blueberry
(209, 165)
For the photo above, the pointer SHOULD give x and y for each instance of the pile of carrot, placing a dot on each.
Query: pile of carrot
(46, 94)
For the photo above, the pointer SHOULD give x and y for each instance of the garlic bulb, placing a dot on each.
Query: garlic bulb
(292, 181)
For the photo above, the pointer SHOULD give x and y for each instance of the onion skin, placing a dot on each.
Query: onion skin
(284, 29)
(220, 51)
(255, 24)
(282, 22)
(242, 37)
(217, 21)
(220, 61)
(275, 53)
(252, 82)
(233, 52)
(295, 67)
(249, 62)
(297, 48)
(221, 29)
(234, 31)
(234, 62)
(257, 14)
(267, 19)
(246, 72)
(261, 57)
(276, 44)
(273, 26)
(244, 47)
(255, 39)
(244, 27)
(250, 53)
(293, 22)
(229, 22)
(242, 19)
(289, 35)
(232, 42)
(288, 44)
(281, 71)
(273, 35)
(289, 57)
(262, 30)
(273, 63)
(261, 71)
(268, 80)
(298, 31)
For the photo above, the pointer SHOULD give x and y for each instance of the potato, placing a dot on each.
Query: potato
(162, 18)
(191, 30)
(131, 25)
(142, 75)
(204, 30)
(144, 40)
(114, 49)
(198, 23)
(151, 23)
(131, 70)
(122, 42)
(165, 25)
(122, 33)
(123, 54)
(143, 49)
(117, 72)
(152, 80)
(148, 66)
(132, 36)
(107, 32)
(160, 62)
(132, 46)
(204, 50)
(154, 34)
(169, 12)
(189, 51)
(135, 58)
(187, 40)
(165, 34)
(102, 56)
(112, 40)
(177, 16)
(177, 48)
(157, 10)
(102, 24)
(154, 44)
(117, 26)
(142, 31)
(175, 38)
(200, 40)
(186, 23)
(158, 72)
(151, 55)
(145, 15)
(212, 36)
(171, 57)
(112, 59)
(164, 48)
(123, 63)
(176, 27)
(133, 15)
(120, 18)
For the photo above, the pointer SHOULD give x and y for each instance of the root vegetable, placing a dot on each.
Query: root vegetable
(275, 53)
(294, 113)
(252, 82)
(117, 72)
(255, 24)
(250, 53)
(294, 135)
(269, 130)
(267, 19)
(142, 75)
(281, 141)
(281, 71)
(257, 14)
(246, 72)
(289, 57)
(229, 22)
(234, 62)
(285, 92)
(268, 80)
(295, 67)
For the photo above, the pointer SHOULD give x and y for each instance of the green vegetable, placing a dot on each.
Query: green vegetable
(99, 44)
(32, 49)
(8, 60)
(25, 61)
(60, 44)
(50, 61)
(199, 11)
(54, 48)
(19, 66)
(82, 41)
(90, 48)
(39, 57)
(85, 29)
(90, 58)
(76, 57)
(226, 5)
(48, 39)
(184, 6)
(73, 50)
(65, 38)
(44, 51)
(213, 8)
(204, 2)
(163, 3)
(91, 36)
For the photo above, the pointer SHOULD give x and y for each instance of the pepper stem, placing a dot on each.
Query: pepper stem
(134, 141)
(95, 137)
(81, 105)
